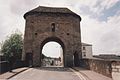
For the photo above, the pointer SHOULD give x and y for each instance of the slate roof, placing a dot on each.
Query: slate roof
(44, 9)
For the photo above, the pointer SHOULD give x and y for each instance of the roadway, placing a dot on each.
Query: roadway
(48, 74)
(58, 73)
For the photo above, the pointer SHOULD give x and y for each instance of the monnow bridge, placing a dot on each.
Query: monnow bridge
(61, 25)
(45, 24)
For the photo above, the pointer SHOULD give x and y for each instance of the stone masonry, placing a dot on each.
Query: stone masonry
(116, 66)
(44, 24)
(116, 70)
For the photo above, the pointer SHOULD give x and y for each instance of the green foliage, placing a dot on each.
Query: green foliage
(13, 45)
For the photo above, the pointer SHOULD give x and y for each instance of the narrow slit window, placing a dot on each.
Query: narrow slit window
(53, 27)
(84, 48)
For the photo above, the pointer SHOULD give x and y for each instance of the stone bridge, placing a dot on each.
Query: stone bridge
(45, 24)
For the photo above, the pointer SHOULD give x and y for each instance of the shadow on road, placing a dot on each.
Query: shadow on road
(53, 69)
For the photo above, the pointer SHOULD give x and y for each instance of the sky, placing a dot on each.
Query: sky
(100, 25)
(52, 49)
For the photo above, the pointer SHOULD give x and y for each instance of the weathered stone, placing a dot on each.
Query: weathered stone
(113, 66)
(119, 70)
(100, 66)
(118, 66)
(115, 70)
(61, 25)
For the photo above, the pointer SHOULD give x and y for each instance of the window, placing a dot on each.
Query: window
(68, 34)
(53, 27)
(83, 48)
(84, 54)
(36, 34)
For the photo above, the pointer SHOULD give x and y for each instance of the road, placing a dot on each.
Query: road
(48, 74)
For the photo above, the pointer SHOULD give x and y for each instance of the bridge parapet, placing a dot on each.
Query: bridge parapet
(116, 66)
(102, 66)
(116, 70)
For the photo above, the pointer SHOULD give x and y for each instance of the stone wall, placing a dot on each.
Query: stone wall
(116, 70)
(98, 65)
(116, 66)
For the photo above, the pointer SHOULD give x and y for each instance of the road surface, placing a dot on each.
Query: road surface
(48, 74)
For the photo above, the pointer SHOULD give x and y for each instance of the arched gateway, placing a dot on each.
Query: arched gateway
(44, 24)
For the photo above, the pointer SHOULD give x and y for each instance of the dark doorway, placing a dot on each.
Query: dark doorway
(29, 59)
(76, 59)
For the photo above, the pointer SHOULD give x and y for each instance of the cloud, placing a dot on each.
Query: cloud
(23, 7)
(9, 22)
(108, 3)
(100, 9)
(103, 34)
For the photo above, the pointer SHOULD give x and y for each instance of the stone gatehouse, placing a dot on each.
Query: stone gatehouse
(44, 24)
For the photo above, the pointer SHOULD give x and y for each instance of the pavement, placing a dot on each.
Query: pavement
(116, 75)
(8, 75)
(91, 75)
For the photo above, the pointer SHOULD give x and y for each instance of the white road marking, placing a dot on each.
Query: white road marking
(78, 74)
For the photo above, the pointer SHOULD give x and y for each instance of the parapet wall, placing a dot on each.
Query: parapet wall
(4, 66)
(116, 66)
(100, 66)
(116, 70)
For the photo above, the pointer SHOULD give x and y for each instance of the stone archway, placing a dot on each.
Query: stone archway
(44, 24)
(55, 39)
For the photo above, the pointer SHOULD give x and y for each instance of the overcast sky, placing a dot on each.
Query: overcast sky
(100, 25)
(52, 49)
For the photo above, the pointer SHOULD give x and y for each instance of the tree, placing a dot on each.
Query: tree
(13, 45)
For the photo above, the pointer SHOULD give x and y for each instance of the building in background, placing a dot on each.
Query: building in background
(86, 50)
(50, 61)
(108, 56)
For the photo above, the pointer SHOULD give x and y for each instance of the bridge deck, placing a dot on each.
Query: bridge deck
(53, 74)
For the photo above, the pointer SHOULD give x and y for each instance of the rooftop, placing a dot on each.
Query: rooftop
(43, 9)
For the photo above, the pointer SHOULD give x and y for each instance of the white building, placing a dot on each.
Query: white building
(86, 50)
